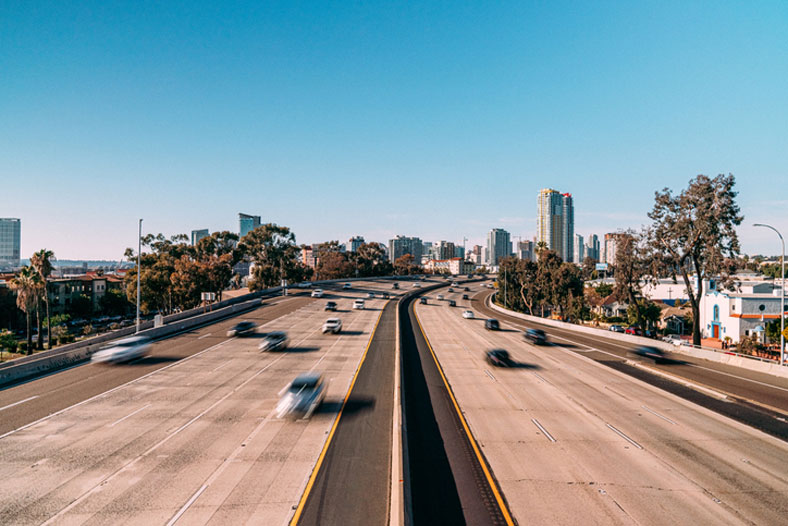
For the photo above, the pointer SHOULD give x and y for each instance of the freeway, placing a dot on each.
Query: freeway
(571, 441)
(194, 441)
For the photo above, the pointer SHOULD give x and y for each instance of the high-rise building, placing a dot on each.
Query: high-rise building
(10, 242)
(579, 249)
(459, 252)
(499, 245)
(354, 243)
(197, 235)
(555, 222)
(526, 250)
(444, 250)
(611, 240)
(592, 247)
(426, 250)
(402, 245)
(247, 223)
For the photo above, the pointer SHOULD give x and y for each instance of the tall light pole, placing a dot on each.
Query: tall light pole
(782, 294)
(139, 271)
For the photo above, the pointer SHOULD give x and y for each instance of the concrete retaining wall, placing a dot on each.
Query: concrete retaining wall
(704, 354)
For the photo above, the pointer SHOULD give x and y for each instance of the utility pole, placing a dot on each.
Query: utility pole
(139, 271)
(782, 294)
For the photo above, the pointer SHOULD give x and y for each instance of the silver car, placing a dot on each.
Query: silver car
(274, 341)
(302, 396)
(123, 350)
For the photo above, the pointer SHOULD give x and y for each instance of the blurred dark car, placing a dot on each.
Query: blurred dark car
(467, 289)
(535, 336)
(423, 301)
(241, 329)
(650, 352)
(465, 296)
(498, 358)
(331, 305)
(492, 324)
(452, 303)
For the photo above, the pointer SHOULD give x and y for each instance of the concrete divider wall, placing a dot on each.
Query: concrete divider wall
(704, 354)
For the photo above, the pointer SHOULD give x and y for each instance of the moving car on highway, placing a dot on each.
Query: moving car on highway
(317, 293)
(440, 296)
(123, 350)
(468, 314)
(331, 305)
(347, 286)
(452, 303)
(465, 296)
(370, 295)
(467, 289)
(492, 324)
(302, 396)
(274, 341)
(242, 329)
(423, 300)
(649, 352)
(535, 336)
(395, 286)
(358, 304)
(451, 289)
(498, 358)
(332, 325)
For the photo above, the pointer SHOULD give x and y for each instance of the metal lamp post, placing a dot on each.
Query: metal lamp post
(139, 271)
(782, 293)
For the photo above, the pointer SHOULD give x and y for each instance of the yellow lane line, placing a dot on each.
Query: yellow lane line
(507, 516)
(316, 470)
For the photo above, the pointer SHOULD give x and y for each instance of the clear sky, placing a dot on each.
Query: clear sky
(434, 119)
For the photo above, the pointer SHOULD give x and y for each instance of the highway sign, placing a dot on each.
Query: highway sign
(785, 333)
(601, 266)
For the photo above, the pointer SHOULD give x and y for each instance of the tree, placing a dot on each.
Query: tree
(158, 266)
(589, 268)
(694, 232)
(7, 342)
(41, 261)
(404, 265)
(27, 285)
(334, 265)
(528, 277)
(82, 307)
(604, 290)
(114, 303)
(630, 272)
(273, 250)
(509, 284)
(370, 260)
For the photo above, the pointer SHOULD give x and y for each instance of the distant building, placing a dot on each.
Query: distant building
(459, 252)
(401, 245)
(555, 222)
(592, 247)
(499, 245)
(10, 242)
(247, 223)
(611, 241)
(427, 250)
(444, 250)
(354, 243)
(64, 291)
(197, 235)
(450, 266)
(579, 249)
(526, 250)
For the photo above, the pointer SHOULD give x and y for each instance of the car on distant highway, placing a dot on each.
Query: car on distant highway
(467, 289)
(465, 296)
(385, 295)
(616, 328)
(649, 352)
(423, 300)
(417, 285)
(358, 304)
(370, 295)
(274, 341)
(347, 286)
(317, 293)
(451, 289)
(123, 350)
(498, 358)
(395, 286)
(332, 325)
(331, 305)
(302, 396)
(468, 314)
(304, 285)
(452, 303)
(535, 336)
(440, 296)
(492, 324)
(242, 329)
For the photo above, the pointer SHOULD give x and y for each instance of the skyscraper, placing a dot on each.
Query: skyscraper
(444, 250)
(247, 223)
(611, 240)
(579, 249)
(402, 245)
(555, 222)
(526, 250)
(197, 235)
(10, 241)
(499, 245)
(592, 247)
(354, 243)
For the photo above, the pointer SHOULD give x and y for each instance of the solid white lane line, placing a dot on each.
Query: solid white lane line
(204, 336)
(186, 506)
(659, 415)
(543, 430)
(113, 424)
(739, 377)
(225, 363)
(622, 435)
(17, 403)
(488, 373)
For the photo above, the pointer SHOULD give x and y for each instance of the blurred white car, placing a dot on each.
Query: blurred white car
(417, 285)
(468, 314)
(332, 325)
(274, 341)
(440, 296)
(302, 396)
(674, 339)
(123, 350)
(317, 293)
(358, 304)
(370, 294)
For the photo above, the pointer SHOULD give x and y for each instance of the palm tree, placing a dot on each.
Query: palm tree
(27, 286)
(42, 263)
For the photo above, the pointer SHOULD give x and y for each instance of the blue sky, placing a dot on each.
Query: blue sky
(440, 119)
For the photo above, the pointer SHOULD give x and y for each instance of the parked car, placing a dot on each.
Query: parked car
(123, 350)
(347, 286)
(634, 331)
(423, 300)
(358, 304)
(242, 329)
(498, 358)
(674, 339)
(535, 336)
(332, 325)
(331, 305)
(452, 303)
(616, 328)
(465, 296)
(650, 352)
(274, 341)
(302, 396)
(317, 293)
(492, 324)
(468, 315)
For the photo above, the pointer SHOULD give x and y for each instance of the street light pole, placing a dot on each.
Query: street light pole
(139, 271)
(782, 293)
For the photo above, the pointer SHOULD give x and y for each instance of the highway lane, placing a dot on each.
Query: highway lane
(571, 441)
(197, 442)
(764, 389)
(24, 403)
